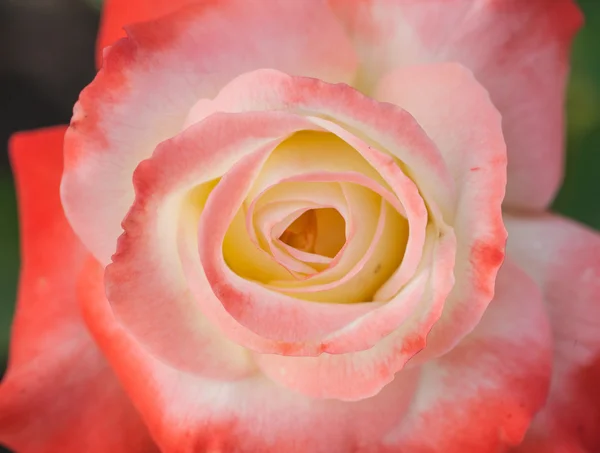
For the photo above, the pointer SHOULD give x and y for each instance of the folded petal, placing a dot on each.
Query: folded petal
(150, 81)
(59, 394)
(518, 50)
(563, 257)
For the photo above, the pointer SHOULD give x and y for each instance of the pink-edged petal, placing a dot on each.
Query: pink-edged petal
(144, 276)
(350, 114)
(311, 258)
(367, 354)
(150, 81)
(408, 194)
(563, 257)
(189, 412)
(378, 124)
(456, 112)
(482, 396)
(249, 302)
(147, 283)
(58, 394)
(518, 50)
(311, 152)
(381, 125)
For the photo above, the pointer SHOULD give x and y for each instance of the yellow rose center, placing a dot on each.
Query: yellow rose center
(318, 231)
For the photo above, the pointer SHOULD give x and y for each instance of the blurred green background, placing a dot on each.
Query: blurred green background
(62, 36)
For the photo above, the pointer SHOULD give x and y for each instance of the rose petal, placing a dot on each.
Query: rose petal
(481, 396)
(457, 114)
(563, 257)
(369, 352)
(150, 81)
(408, 194)
(146, 284)
(360, 118)
(275, 201)
(312, 152)
(59, 394)
(373, 253)
(245, 257)
(518, 50)
(278, 216)
(377, 123)
(192, 413)
(248, 302)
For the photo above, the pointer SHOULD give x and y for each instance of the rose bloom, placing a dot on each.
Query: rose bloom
(280, 226)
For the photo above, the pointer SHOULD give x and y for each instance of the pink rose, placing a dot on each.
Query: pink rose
(281, 228)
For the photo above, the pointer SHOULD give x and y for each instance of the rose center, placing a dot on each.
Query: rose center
(319, 231)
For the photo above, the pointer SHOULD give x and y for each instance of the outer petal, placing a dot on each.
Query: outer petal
(517, 49)
(564, 259)
(196, 413)
(119, 13)
(59, 393)
(149, 82)
(424, 410)
(482, 395)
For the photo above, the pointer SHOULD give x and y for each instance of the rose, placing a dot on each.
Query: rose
(307, 266)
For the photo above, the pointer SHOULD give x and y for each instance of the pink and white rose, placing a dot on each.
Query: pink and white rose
(281, 227)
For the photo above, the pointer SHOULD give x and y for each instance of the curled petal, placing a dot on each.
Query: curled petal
(265, 213)
(408, 194)
(275, 219)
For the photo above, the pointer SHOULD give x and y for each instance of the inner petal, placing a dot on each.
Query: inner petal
(274, 210)
(302, 233)
(319, 231)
